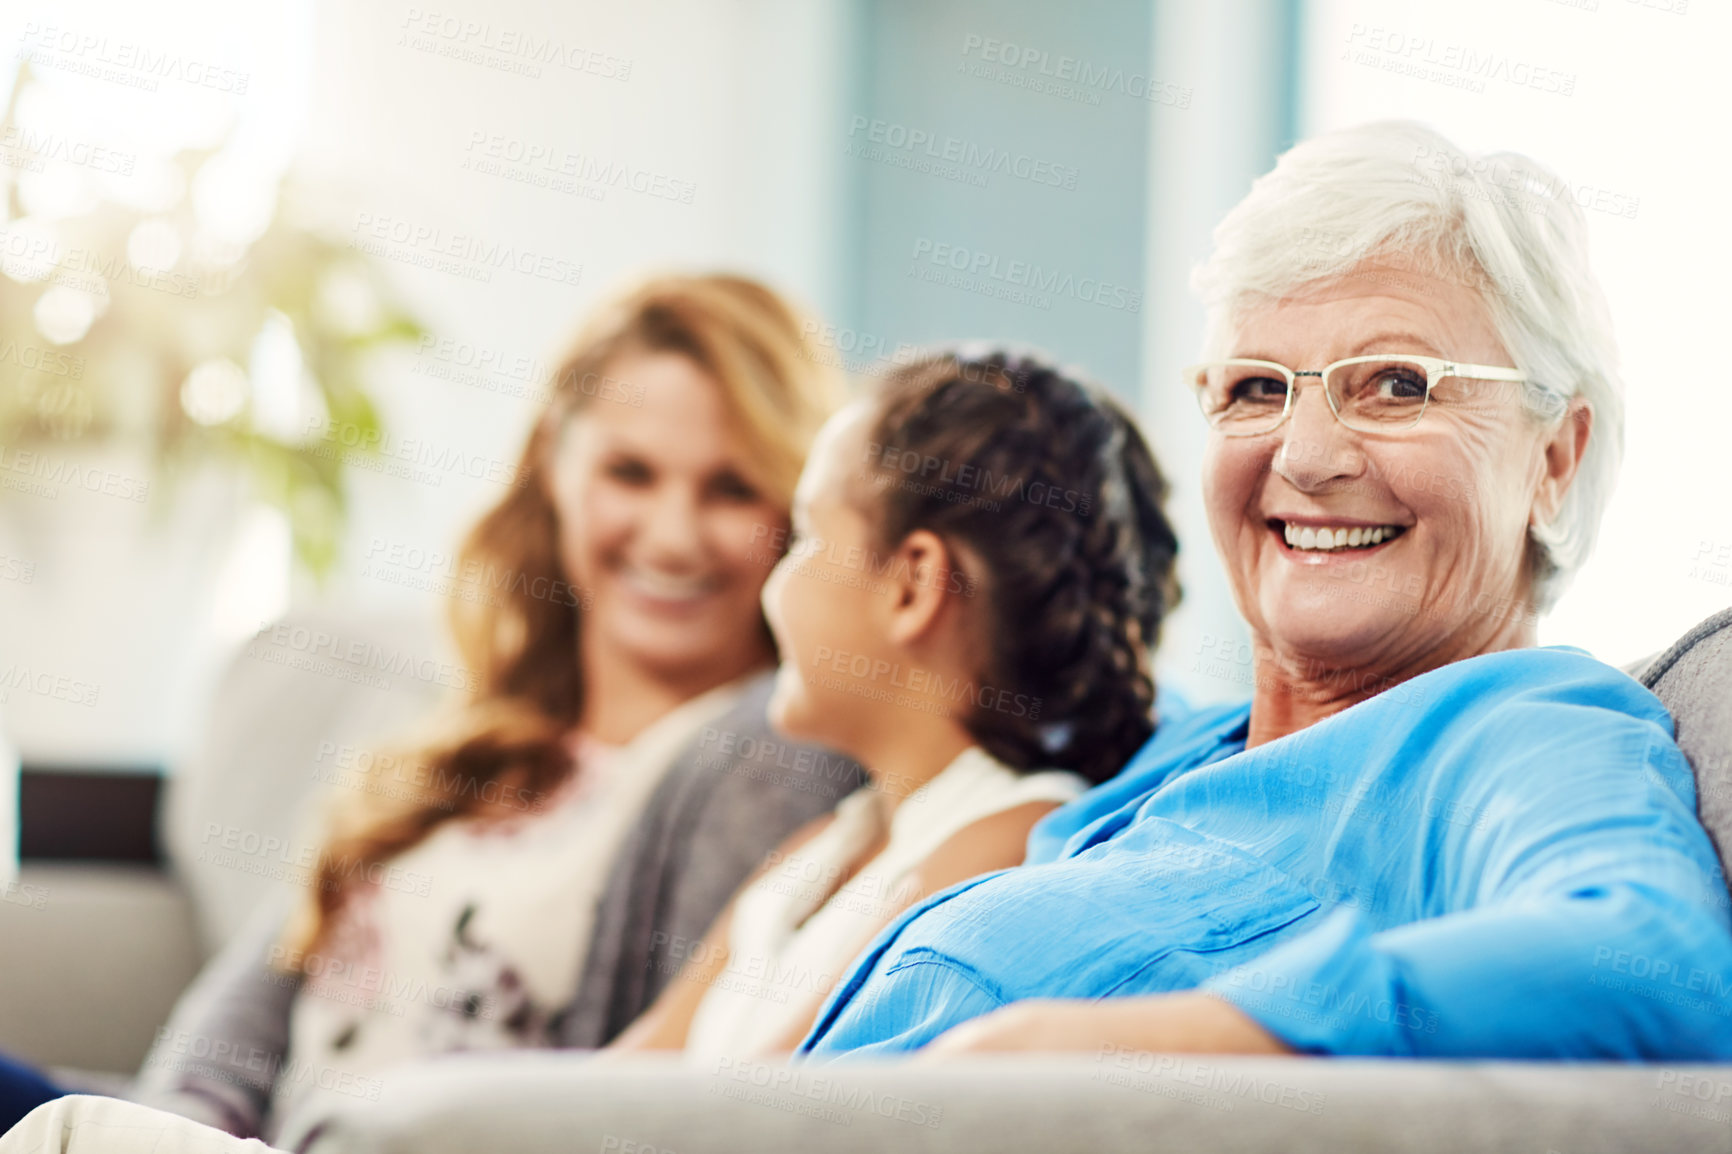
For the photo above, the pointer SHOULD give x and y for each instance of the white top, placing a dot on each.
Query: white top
(473, 938)
(788, 943)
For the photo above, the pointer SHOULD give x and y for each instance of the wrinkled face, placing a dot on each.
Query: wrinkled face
(661, 528)
(822, 605)
(1450, 497)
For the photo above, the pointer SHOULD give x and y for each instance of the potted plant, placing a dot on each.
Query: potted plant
(156, 371)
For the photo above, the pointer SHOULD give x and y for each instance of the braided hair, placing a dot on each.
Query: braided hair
(1047, 482)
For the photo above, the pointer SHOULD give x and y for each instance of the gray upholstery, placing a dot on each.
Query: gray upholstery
(92, 974)
(242, 815)
(556, 1104)
(1694, 679)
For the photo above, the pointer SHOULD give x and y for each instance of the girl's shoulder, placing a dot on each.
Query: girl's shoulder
(996, 841)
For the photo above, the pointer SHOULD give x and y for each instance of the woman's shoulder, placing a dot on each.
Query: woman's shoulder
(1537, 720)
(1549, 679)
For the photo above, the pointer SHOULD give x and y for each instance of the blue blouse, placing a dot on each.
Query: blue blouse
(1499, 858)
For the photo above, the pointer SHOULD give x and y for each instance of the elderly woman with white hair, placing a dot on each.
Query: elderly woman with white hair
(1422, 835)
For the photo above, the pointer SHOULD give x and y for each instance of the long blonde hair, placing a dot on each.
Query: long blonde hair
(520, 646)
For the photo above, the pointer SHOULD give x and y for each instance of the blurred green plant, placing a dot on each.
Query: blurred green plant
(124, 327)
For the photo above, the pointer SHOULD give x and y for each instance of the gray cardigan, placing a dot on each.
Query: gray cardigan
(729, 798)
(707, 827)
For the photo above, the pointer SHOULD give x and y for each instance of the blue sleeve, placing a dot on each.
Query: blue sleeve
(904, 1008)
(881, 1007)
(1586, 919)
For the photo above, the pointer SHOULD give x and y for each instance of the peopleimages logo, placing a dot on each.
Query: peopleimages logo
(57, 146)
(1456, 65)
(461, 254)
(137, 65)
(266, 855)
(946, 477)
(1162, 1073)
(354, 657)
(438, 460)
(786, 1086)
(245, 1065)
(862, 667)
(31, 254)
(36, 359)
(1075, 70)
(981, 160)
(521, 45)
(54, 686)
(585, 168)
(989, 268)
(52, 471)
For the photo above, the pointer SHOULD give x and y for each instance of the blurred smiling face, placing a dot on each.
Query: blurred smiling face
(661, 525)
(1440, 510)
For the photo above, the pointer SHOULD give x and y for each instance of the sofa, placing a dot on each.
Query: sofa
(94, 965)
(570, 1101)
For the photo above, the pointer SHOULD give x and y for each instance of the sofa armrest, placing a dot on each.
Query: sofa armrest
(530, 1103)
(93, 958)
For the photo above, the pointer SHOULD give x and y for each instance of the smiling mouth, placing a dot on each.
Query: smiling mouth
(668, 589)
(1333, 538)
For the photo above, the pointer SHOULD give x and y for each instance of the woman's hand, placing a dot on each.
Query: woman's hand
(1169, 1023)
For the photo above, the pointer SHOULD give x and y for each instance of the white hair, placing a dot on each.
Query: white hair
(1398, 191)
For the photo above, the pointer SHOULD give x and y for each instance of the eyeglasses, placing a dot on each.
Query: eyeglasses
(1373, 394)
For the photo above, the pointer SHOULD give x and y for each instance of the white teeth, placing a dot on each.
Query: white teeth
(1328, 540)
(668, 588)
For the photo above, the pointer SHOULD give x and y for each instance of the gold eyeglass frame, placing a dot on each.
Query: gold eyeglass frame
(1436, 368)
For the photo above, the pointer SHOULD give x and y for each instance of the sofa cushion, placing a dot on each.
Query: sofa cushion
(1694, 680)
(93, 957)
(291, 720)
(1103, 1102)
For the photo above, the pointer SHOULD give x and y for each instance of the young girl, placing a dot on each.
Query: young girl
(977, 579)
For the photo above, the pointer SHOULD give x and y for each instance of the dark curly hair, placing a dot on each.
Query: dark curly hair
(1047, 482)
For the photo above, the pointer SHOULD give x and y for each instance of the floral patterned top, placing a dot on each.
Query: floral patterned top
(473, 939)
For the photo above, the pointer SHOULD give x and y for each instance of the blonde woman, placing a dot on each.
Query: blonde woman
(662, 470)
